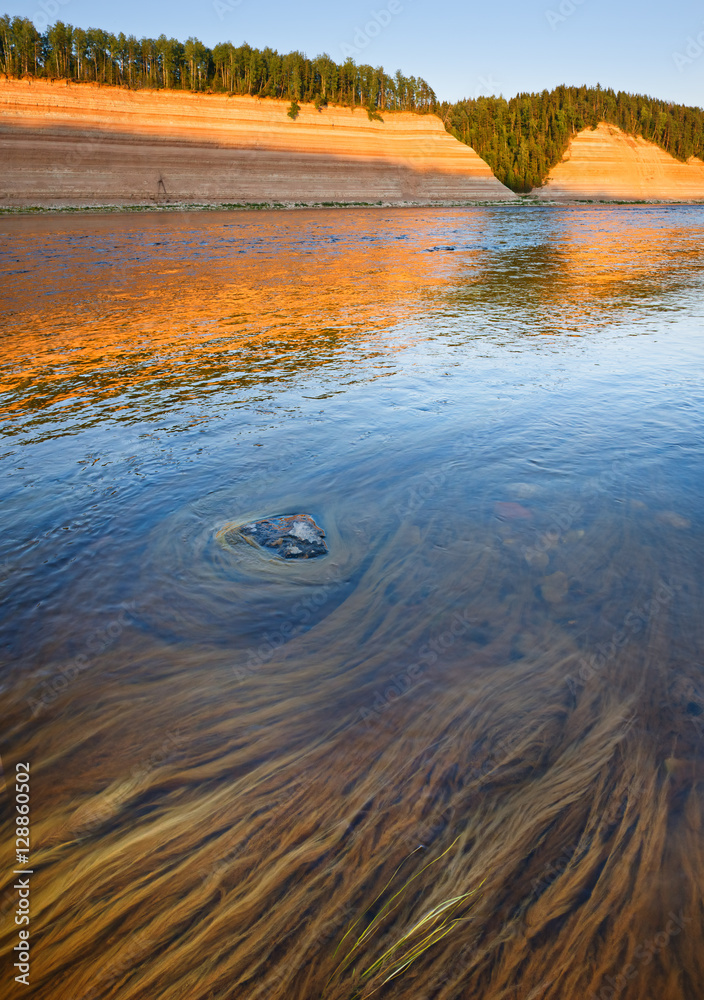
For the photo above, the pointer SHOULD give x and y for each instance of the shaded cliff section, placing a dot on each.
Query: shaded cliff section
(607, 164)
(64, 144)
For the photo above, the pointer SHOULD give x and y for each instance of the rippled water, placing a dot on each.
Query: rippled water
(496, 415)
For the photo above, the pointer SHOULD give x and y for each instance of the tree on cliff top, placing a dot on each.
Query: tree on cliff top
(521, 139)
(94, 55)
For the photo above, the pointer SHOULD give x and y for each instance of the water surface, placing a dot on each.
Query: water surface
(496, 415)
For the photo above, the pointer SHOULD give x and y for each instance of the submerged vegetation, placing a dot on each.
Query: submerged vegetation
(395, 958)
(521, 139)
(501, 662)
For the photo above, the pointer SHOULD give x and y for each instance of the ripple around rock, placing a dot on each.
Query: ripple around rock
(290, 536)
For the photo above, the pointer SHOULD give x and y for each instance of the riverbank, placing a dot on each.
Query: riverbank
(606, 164)
(533, 200)
(81, 145)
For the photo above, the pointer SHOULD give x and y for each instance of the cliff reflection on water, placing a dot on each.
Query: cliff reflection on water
(496, 414)
(174, 310)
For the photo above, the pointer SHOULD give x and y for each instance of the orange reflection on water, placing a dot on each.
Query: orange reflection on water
(216, 810)
(180, 310)
(96, 308)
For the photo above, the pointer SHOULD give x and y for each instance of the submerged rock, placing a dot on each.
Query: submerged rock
(674, 519)
(524, 491)
(292, 536)
(537, 558)
(554, 587)
(508, 510)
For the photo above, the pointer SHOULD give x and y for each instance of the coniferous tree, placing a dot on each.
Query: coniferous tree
(97, 56)
(521, 139)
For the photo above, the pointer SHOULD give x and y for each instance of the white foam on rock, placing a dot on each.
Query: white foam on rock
(304, 531)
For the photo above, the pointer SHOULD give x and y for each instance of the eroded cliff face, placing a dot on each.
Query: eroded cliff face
(606, 163)
(79, 144)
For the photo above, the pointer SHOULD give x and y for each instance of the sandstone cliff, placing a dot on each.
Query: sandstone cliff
(80, 144)
(605, 163)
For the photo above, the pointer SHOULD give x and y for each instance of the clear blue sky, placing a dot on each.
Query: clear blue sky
(462, 49)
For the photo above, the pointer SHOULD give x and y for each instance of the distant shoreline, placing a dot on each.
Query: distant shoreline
(525, 201)
(86, 147)
(97, 146)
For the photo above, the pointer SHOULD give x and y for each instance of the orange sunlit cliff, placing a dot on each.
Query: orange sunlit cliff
(80, 144)
(607, 163)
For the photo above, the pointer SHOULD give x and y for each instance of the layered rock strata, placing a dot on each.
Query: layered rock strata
(65, 144)
(607, 164)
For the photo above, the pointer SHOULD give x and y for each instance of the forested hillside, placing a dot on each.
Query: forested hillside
(521, 139)
(123, 60)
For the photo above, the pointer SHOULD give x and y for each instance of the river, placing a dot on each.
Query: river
(253, 777)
